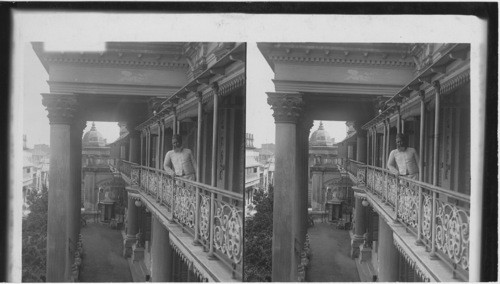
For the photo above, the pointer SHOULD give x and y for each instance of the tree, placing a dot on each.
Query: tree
(258, 239)
(34, 251)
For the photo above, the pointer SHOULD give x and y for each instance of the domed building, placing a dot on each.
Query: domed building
(320, 137)
(323, 169)
(102, 193)
(93, 138)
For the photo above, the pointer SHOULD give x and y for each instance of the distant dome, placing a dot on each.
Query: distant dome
(320, 137)
(93, 138)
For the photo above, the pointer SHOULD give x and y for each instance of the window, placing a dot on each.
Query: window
(254, 170)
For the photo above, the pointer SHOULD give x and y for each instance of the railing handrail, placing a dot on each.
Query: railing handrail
(224, 192)
(128, 162)
(451, 193)
(356, 162)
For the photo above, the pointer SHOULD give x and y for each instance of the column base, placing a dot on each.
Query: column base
(365, 254)
(356, 242)
(137, 253)
(128, 242)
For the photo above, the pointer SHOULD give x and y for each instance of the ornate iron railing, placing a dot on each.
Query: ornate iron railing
(124, 167)
(214, 217)
(439, 218)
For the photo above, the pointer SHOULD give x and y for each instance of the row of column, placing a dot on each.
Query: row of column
(63, 224)
(161, 251)
(387, 251)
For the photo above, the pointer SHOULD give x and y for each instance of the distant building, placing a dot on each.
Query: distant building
(329, 195)
(35, 169)
(101, 191)
(253, 169)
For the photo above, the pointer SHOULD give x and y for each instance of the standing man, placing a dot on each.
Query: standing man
(403, 161)
(180, 161)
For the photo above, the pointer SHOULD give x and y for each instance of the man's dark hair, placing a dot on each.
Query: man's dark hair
(177, 137)
(403, 138)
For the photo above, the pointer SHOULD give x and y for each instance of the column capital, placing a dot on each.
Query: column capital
(421, 94)
(287, 107)
(61, 107)
(199, 96)
(437, 86)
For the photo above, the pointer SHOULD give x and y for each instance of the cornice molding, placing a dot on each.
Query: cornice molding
(335, 88)
(234, 83)
(111, 89)
(343, 61)
(455, 82)
(116, 62)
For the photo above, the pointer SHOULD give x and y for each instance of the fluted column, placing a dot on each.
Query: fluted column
(61, 109)
(132, 227)
(161, 253)
(287, 109)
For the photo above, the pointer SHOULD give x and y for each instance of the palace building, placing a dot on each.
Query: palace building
(176, 229)
(404, 229)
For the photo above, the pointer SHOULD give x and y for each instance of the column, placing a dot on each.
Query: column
(148, 147)
(435, 164)
(305, 130)
(359, 226)
(198, 136)
(161, 253)
(162, 143)
(316, 189)
(214, 135)
(368, 160)
(198, 165)
(287, 109)
(385, 141)
(61, 110)
(398, 123)
(132, 227)
(361, 145)
(75, 191)
(142, 147)
(135, 146)
(388, 254)
(387, 150)
(158, 148)
(174, 123)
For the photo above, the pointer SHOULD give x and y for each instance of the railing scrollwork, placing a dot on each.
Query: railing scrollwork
(407, 198)
(179, 196)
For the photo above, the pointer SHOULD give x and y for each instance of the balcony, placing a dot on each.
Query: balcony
(212, 217)
(437, 218)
